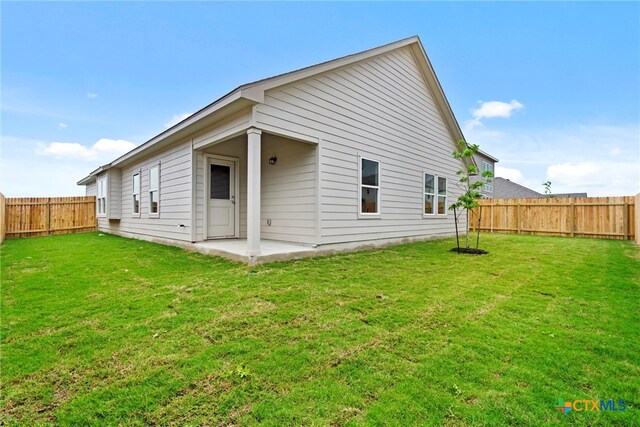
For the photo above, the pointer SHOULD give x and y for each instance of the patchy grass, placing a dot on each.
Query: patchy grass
(107, 330)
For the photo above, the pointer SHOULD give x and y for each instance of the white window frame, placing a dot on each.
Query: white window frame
(486, 166)
(101, 196)
(154, 214)
(446, 195)
(435, 195)
(133, 194)
(364, 215)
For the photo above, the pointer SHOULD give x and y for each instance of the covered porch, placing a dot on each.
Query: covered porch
(256, 195)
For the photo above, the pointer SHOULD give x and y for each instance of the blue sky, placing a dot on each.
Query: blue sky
(551, 89)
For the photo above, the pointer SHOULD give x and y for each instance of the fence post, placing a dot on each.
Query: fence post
(48, 215)
(491, 223)
(625, 221)
(518, 226)
(572, 217)
(3, 219)
(636, 214)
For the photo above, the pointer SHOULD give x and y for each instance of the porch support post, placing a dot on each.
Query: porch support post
(253, 191)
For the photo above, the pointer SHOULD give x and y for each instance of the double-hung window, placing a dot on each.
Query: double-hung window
(369, 187)
(101, 196)
(435, 194)
(154, 189)
(486, 166)
(135, 198)
(442, 195)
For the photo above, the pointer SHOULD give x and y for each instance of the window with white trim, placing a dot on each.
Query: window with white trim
(442, 195)
(429, 193)
(154, 189)
(486, 166)
(101, 196)
(435, 194)
(369, 186)
(135, 197)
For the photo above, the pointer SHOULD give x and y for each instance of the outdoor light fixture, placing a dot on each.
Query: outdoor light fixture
(273, 160)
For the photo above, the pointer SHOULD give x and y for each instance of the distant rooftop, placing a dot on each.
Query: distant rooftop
(506, 189)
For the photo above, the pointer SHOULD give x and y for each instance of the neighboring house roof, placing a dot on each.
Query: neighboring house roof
(505, 189)
(565, 195)
(252, 93)
(487, 155)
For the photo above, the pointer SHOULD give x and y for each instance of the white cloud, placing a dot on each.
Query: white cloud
(615, 151)
(511, 174)
(603, 160)
(616, 178)
(175, 119)
(62, 125)
(92, 95)
(492, 109)
(103, 150)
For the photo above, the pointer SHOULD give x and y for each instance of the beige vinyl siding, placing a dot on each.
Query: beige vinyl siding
(175, 196)
(90, 189)
(114, 206)
(288, 193)
(288, 189)
(383, 110)
(236, 123)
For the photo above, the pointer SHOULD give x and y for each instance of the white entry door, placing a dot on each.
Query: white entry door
(221, 199)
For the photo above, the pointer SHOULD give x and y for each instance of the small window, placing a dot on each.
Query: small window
(154, 189)
(369, 187)
(220, 182)
(429, 193)
(435, 194)
(442, 195)
(101, 196)
(135, 208)
(486, 166)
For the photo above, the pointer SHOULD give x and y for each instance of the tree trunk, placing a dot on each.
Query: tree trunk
(467, 233)
(479, 220)
(455, 218)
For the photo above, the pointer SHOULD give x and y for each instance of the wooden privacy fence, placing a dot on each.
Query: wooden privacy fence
(42, 216)
(601, 217)
(3, 223)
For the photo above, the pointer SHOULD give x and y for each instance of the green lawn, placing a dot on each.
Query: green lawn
(100, 329)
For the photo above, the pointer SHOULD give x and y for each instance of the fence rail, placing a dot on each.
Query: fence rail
(42, 216)
(600, 217)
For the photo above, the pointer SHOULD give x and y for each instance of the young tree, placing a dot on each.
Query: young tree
(468, 200)
(547, 189)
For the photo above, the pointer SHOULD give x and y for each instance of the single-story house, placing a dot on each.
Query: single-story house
(354, 152)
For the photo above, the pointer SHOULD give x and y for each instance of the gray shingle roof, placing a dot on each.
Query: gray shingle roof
(565, 195)
(505, 189)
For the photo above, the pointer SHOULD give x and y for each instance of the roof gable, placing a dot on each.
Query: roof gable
(257, 89)
(253, 93)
